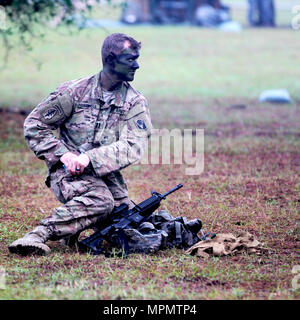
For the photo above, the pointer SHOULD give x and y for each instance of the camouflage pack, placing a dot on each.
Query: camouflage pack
(160, 231)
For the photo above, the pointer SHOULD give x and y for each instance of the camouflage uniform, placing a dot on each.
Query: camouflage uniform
(113, 134)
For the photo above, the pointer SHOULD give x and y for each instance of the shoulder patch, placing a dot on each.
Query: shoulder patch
(56, 110)
(140, 123)
(51, 113)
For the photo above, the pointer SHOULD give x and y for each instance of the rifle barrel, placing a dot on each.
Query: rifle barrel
(172, 190)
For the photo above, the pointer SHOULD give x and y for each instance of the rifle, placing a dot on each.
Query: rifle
(122, 218)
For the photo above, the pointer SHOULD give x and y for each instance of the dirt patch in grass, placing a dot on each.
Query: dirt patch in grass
(11, 122)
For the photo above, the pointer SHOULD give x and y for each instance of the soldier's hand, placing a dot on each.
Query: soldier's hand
(81, 162)
(68, 160)
(75, 164)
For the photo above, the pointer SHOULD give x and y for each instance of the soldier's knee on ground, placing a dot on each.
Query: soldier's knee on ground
(77, 215)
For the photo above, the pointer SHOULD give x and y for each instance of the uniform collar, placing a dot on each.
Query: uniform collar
(118, 97)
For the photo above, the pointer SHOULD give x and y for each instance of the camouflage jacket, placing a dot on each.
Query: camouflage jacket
(113, 134)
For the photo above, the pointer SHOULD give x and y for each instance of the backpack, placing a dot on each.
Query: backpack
(160, 231)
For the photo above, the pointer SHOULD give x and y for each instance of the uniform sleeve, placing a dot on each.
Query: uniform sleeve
(40, 123)
(135, 131)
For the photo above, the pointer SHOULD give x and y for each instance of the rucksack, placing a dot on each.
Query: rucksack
(160, 231)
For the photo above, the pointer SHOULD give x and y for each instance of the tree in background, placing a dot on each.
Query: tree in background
(29, 19)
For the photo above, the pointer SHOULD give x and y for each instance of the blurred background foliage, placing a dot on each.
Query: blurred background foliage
(176, 61)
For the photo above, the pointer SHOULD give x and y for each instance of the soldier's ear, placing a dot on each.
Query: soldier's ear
(110, 59)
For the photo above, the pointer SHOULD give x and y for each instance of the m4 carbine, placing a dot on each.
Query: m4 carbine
(123, 218)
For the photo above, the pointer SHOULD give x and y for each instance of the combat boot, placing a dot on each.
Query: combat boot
(32, 243)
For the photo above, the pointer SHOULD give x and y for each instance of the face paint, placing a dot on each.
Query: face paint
(126, 64)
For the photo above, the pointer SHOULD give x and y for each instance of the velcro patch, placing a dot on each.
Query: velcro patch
(56, 110)
(51, 113)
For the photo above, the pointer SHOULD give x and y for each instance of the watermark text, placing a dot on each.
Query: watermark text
(295, 23)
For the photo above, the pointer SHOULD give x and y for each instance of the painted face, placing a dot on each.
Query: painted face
(126, 64)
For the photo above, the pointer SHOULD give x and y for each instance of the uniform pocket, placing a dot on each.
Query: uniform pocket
(66, 187)
(73, 186)
(116, 185)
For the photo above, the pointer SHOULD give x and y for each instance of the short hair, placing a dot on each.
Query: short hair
(115, 43)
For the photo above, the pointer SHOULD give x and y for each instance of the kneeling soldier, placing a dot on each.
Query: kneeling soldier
(104, 125)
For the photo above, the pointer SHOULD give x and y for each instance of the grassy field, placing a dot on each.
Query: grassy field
(193, 78)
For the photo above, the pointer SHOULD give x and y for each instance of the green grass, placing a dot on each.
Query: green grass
(250, 183)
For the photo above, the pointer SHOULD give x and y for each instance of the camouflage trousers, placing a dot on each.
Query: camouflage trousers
(87, 200)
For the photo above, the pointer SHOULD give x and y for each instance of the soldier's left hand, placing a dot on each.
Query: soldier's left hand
(79, 164)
